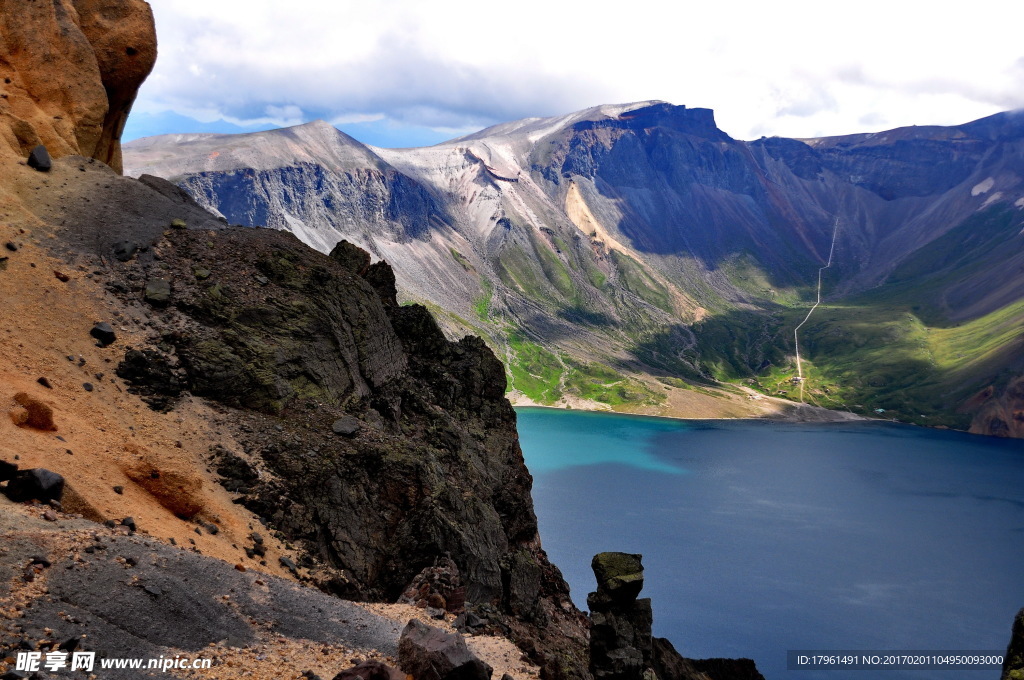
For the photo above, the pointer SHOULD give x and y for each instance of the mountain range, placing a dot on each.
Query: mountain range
(637, 257)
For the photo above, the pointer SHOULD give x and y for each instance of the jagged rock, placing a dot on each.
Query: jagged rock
(40, 159)
(371, 670)
(429, 653)
(125, 250)
(104, 333)
(620, 633)
(351, 257)
(150, 374)
(238, 475)
(1013, 662)
(445, 474)
(7, 470)
(36, 414)
(39, 483)
(438, 586)
(726, 669)
(346, 425)
(670, 665)
(78, 67)
(158, 292)
(620, 576)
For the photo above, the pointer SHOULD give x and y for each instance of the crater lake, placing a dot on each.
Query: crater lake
(760, 537)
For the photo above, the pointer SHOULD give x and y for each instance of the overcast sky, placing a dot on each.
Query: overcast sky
(410, 72)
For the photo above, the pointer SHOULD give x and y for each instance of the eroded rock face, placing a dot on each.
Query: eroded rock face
(69, 72)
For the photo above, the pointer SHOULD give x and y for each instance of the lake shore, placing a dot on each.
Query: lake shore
(683, 404)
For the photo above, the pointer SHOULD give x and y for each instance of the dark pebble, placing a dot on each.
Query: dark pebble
(87, 387)
(45, 383)
(119, 490)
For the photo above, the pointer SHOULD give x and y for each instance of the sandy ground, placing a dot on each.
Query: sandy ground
(105, 435)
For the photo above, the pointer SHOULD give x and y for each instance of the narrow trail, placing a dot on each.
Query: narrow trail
(796, 331)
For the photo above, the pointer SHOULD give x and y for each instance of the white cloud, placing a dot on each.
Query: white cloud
(791, 67)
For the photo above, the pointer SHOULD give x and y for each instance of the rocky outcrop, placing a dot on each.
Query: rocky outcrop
(69, 72)
(293, 342)
(1013, 662)
(428, 653)
(620, 634)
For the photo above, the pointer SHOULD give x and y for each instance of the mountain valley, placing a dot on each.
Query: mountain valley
(636, 257)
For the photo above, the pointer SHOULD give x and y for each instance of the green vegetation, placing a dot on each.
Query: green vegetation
(533, 370)
(638, 281)
(461, 259)
(482, 305)
(600, 383)
(554, 269)
(745, 272)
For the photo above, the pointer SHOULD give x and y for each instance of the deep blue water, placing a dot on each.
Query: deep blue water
(762, 537)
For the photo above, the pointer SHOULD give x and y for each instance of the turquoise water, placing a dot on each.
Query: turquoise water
(763, 537)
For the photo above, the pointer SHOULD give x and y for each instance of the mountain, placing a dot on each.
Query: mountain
(636, 256)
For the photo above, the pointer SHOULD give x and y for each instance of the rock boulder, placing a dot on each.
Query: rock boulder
(70, 71)
(429, 653)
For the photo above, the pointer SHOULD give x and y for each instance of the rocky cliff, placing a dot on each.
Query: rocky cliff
(616, 256)
(71, 70)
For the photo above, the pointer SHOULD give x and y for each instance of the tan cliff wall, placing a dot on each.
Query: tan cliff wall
(69, 73)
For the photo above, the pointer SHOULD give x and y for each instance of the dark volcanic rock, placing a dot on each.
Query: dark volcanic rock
(346, 425)
(104, 333)
(442, 472)
(353, 258)
(619, 575)
(371, 670)
(125, 250)
(620, 633)
(670, 665)
(40, 159)
(158, 292)
(7, 470)
(727, 669)
(39, 484)
(429, 653)
(150, 374)
(1013, 662)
